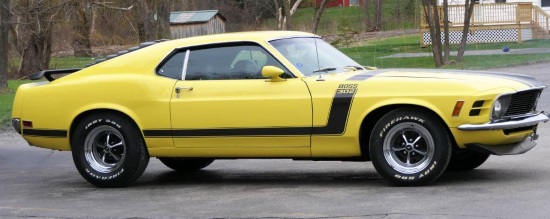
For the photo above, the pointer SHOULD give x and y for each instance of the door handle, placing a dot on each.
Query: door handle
(178, 89)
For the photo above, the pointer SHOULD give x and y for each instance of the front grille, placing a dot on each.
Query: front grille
(523, 102)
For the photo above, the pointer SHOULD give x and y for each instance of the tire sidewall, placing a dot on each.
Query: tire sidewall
(122, 173)
(441, 155)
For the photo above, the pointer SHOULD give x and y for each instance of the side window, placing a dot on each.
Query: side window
(173, 67)
(235, 62)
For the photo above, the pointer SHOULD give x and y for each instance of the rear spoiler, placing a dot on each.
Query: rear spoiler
(48, 73)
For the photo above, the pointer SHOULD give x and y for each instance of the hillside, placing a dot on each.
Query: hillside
(397, 15)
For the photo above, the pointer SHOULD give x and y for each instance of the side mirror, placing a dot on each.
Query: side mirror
(272, 72)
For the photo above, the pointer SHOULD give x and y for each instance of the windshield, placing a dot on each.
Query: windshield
(313, 56)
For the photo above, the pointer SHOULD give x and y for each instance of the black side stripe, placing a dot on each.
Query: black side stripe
(45, 133)
(267, 131)
(336, 125)
(338, 114)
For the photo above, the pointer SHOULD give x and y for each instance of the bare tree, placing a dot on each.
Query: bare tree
(446, 46)
(257, 9)
(285, 13)
(153, 19)
(163, 19)
(431, 15)
(318, 13)
(374, 23)
(38, 18)
(4, 32)
(468, 10)
(82, 24)
(368, 22)
(378, 15)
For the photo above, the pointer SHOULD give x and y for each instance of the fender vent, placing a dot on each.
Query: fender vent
(476, 108)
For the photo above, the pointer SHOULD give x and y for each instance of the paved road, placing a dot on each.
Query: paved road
(38, 183)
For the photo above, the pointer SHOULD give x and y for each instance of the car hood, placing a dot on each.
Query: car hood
(480, 80)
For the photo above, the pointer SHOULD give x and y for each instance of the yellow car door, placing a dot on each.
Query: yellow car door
(223, 107)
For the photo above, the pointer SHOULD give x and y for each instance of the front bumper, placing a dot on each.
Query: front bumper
(16, 123)
(507, 149)
(529, 121)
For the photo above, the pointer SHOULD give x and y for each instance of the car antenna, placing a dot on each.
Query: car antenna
(318, 62)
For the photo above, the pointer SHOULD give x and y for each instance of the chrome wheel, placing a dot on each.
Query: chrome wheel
(104, 149)
(408, 148)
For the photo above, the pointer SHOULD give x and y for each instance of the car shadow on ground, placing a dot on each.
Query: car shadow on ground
(229, 177)
(278, 178)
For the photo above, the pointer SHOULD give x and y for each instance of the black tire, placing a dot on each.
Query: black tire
(186, 164)
(465, 160)
(109, 150)
(410, 147)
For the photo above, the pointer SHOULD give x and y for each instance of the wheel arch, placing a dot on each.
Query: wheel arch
(370, 120)
(89, 112)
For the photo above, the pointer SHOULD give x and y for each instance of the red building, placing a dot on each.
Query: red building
(339, 3)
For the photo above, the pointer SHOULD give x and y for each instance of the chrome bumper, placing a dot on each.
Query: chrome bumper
(542, 117)
(508, 149)
(16, 123)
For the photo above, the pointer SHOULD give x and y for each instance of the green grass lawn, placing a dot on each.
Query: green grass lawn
(60, 63)
(370, 53)
(6, 101)
(354, 18)
(57, 63)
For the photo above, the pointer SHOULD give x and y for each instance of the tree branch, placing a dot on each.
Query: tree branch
(105, 5)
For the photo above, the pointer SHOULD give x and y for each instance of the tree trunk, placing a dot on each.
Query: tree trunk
(37, 52)
(4, 45)
(150, 29)
(368, 23)
(163, 19)
(446, 46)
(432, 17)
(145, 21)
(318, 14)
(438, 59)
(288, 12)
(287, 18)
(398, 12)
(82, 24)
(378, 15)
(278, 14)
(469, 9)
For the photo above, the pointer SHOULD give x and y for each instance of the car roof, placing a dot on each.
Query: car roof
(252, 36)
(255, 36)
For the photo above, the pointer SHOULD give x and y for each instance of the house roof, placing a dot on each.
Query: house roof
(185, 17)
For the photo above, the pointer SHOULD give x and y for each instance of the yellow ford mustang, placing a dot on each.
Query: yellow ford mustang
(272, 95)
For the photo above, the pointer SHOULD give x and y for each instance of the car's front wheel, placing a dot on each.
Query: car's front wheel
(108, 150)
(409, 146)
(186, 164)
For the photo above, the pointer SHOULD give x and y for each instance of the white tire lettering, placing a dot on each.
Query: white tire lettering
(398, 119)
(104, 177)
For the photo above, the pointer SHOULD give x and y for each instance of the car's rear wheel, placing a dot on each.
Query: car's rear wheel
(186, 164)
(465, 160)
(108, 150)
(409, 146)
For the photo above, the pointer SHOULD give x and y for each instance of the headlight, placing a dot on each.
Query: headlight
(500, 106)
